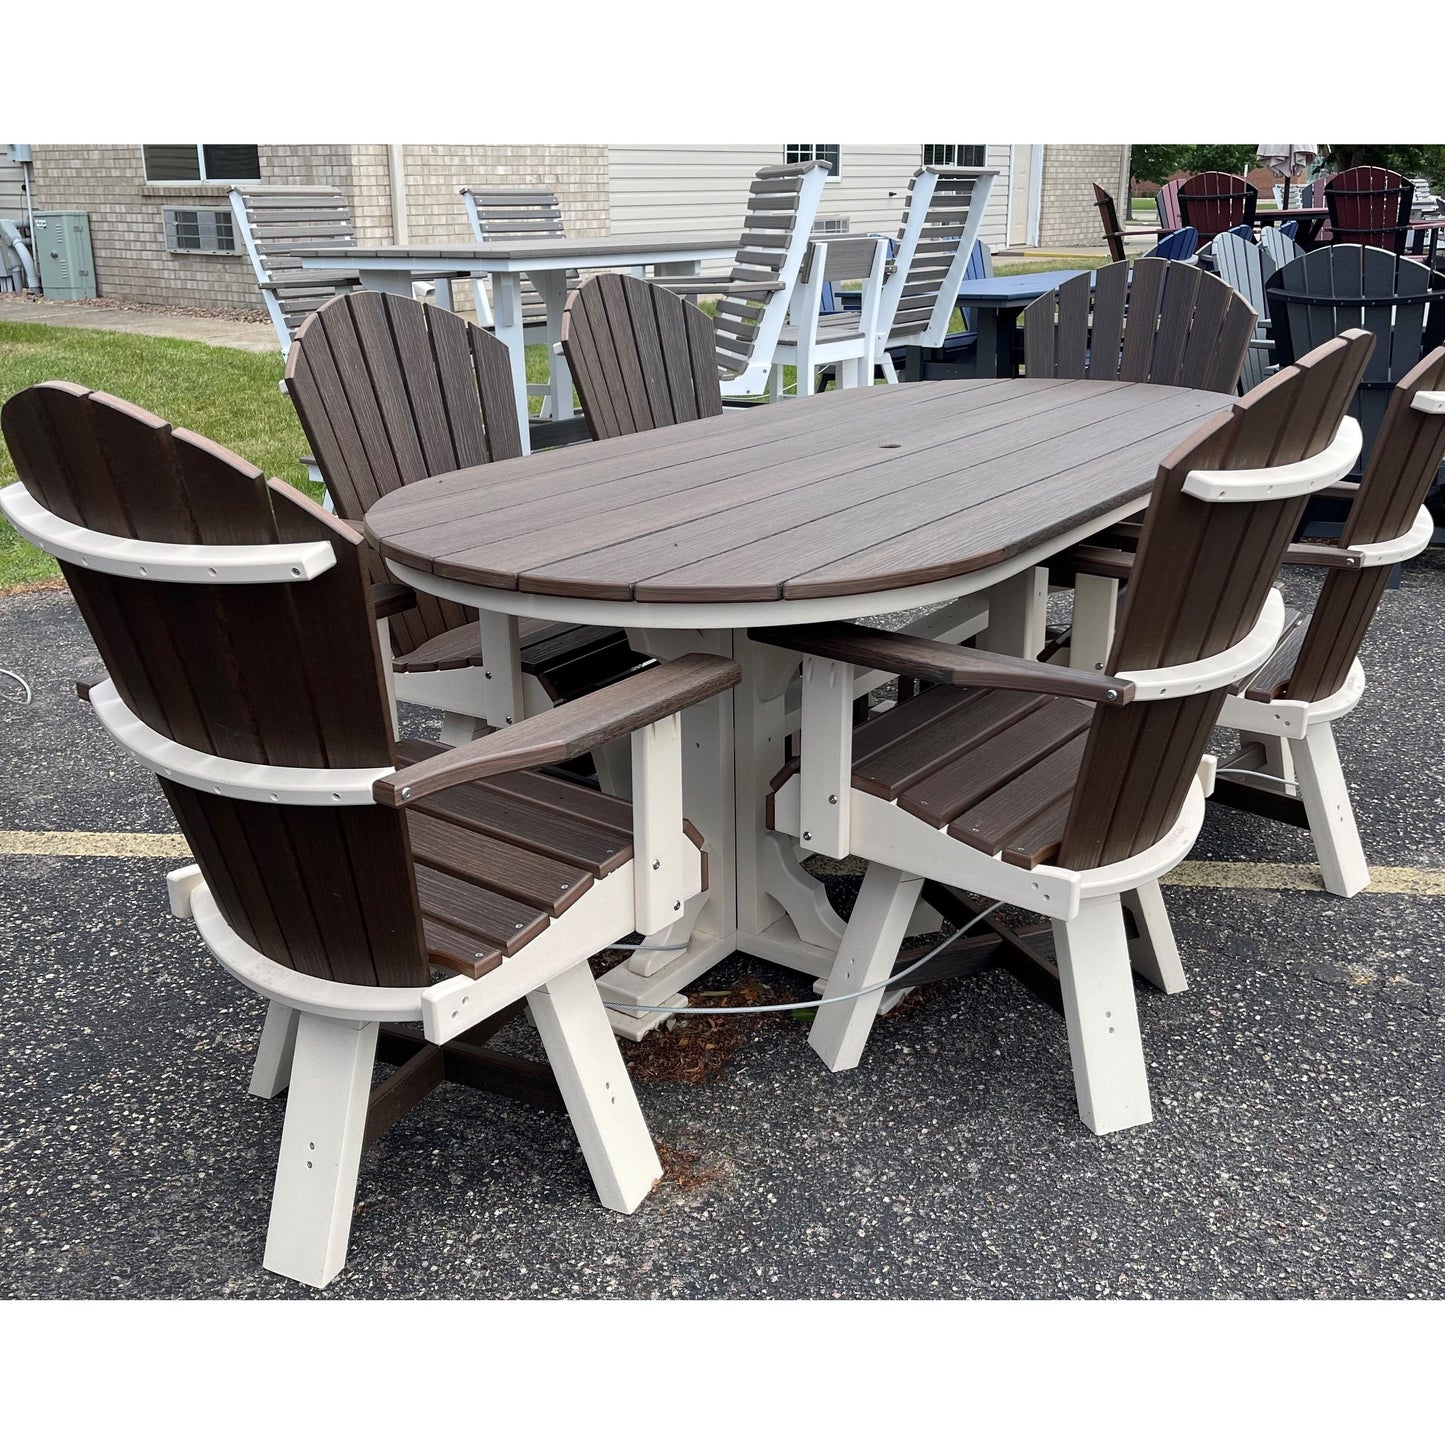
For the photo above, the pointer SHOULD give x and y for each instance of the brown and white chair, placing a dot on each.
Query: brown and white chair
(338, 871)
(390, 391)
(1066, 793)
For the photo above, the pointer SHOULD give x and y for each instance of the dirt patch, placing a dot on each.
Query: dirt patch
(106, 303)
(48, 584)
(685, 1171)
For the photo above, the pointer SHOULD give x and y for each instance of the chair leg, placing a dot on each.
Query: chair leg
(582, 1050)
(775, 383)
(458, 728)
(1154, 954)
(1110, 1079)
(866, 957)
(890, 372)
(272, 1070)
(1327, 805)
(320, 1149)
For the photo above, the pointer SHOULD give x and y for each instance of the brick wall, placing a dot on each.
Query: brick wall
(1067, 214)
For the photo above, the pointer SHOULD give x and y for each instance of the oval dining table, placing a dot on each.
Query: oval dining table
(945, 496)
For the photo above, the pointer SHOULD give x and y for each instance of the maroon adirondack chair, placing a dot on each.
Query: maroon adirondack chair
(1215, 201)
(1369, 206)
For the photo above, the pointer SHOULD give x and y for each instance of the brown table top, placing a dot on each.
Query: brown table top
(850, 492)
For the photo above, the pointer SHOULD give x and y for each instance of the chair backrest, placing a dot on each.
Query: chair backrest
(1166, 201)
(1173, 325)
(521, 213)
(268, 674)
(1246, 267)
(1109, 216)
(941, 219)
(640, 356)
(1199, 582)
(782, 204)
(1215, 201)
(1369, 206)
(1279, 243)
(1407, 456)
(390, 391)
(273, 222)
(1321, 293)
(1178, 245)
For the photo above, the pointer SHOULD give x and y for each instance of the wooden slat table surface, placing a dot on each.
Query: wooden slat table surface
(852, 492)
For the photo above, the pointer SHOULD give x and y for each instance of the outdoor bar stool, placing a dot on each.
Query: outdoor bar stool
(1065, 793)
(339, 872)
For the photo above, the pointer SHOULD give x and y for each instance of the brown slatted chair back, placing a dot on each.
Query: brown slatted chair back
(1215, 201)
(1199, 581)
(287, 674)
(772, 217)
(528, 213)
(278, 219)
(1407, 454)
(1173, 325)
(640, 356)
(1109, 215)
(1369, 206)
(1166, 201)
(390, 391)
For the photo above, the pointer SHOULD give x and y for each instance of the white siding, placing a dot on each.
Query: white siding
(12, 194)
(703, 189)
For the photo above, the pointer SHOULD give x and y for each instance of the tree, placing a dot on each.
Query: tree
(1156, 163)
(1236, 159)
(1409, 160)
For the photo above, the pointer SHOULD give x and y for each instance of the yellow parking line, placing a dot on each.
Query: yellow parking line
(96, 845)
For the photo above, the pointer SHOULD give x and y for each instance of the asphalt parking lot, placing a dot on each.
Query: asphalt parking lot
(1297, 1150)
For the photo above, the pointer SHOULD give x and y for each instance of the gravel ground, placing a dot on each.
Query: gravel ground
(1297, 1150)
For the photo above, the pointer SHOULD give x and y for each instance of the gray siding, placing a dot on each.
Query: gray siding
(12, 194)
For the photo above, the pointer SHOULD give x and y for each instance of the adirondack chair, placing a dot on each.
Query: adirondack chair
(1398, 300)
(846, 341)
(1215, 201)
(1178, 245)
(1166, 202)
(755, 297)
(1067, 793)
(1157, 321)
(1247, 267)
(336, 868)
(640, 356)
(1279, 244)
(1369, 206)
(1286, 712)
(390, 391)
(1114, 234)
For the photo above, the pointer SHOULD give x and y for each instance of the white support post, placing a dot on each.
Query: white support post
(272, 1070)
(1110, 1078)
(1017, 608)
(582, 1050)
(827, 756)
(502, 686)
(320, 1149)
(866, 957)
(1326, 797)
(388, 673)
(507, 326)
(659, 876)
(552, 287)
(1154, 954)
(1091, 634)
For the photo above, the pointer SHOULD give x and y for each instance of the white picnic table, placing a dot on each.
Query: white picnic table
(545, 262)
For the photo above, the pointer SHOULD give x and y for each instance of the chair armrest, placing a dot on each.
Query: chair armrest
(83, 685)
(389, 598)
(1096, 561)
(1306, 554)
(943, 662)
(717, 286)
(1346, 490)
(568, 731)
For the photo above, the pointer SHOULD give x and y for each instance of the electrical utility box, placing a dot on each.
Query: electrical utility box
(62, 251)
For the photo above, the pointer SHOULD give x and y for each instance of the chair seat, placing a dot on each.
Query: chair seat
(835, 326)
(497, 861)
(995, 769)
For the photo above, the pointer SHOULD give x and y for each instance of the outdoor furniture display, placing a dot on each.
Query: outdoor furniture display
(1310, 223)
(1066, 793)
(855, 504)
(546, 262)
(1178, 245)
(1279, 245)
(1159, 321)
(524, 214)
(336, 868)
(1114, 234)
(997, 302)
(1215, 201)
(1247, 267)
(390, 391)
(1369, 206)
(640, 356)
(956, 356)
(844, 340)
(1396, 299)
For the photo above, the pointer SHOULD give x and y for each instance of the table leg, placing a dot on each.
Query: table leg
(552, 287)
(507, 321)
(1017, 609)
(395, 283)
(985, 353)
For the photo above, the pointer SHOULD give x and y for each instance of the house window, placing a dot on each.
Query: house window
(202, 163)
(954, 155)
(795, 155)
(205, 231)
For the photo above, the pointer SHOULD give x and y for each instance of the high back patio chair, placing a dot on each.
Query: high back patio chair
(1160, 321)
(1279, 244)
(335, 868)
(1369, 206)
(390, 391)
(1115, 235)
(1286, 711)
(1062, 792)
(1247, 267)
(1215, 201)
(640, 356)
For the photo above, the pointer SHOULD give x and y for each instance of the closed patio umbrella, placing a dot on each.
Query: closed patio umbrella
(1286, 158)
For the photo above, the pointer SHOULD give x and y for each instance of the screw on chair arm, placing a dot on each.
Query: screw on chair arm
(568, 731)
(943, 662)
